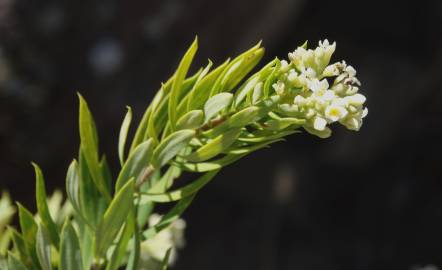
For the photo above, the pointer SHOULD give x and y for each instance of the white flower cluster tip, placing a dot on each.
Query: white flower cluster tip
(304, 86)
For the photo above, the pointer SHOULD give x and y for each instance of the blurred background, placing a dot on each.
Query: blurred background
(366, 200)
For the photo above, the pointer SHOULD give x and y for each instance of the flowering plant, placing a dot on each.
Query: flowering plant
(197, 124)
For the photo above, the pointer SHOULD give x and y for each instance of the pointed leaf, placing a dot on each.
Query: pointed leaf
(215, 146)
(43, 248)
(209, 165)
(183, 192)
(171, 146)
(114, 218)
(123, 134)
(179, 76)
(191, 120)
(138, 160)
(216, 104)
(89, 146)
(70, 253)
(42, 206)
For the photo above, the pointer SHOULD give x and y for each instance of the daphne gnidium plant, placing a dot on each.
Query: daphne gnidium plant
(197, 124)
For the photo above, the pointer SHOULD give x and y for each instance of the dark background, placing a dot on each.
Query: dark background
(366, 200)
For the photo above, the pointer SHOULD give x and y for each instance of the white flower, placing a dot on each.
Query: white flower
(279, 87)
(318, 86)
(284, 66)
(319, 123)
(335, 113)
(355, 100)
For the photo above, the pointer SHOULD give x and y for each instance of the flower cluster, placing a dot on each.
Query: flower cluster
(304, 86)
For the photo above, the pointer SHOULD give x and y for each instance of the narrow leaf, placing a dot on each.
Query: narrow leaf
(89, 146)
(114, 218)
(42, 206)
(191, 120)
(137, 161)
(183, 192)
(209, 165)
(179, 76)
(171, 146)
(215, 146)
(43, 248)
(70, 253)
(123, 134)
(216, 104)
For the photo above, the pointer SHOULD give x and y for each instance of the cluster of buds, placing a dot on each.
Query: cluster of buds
(319, 93)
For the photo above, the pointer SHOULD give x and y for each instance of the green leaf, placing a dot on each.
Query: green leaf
(201, 90)
(237, 70)
(215, 146)
(183, 192)
(216, 104)
(89, 146)
(42, 206)
(123, 134)
(252, 81)
(120, 250)
(191, 120)
(14, 263)
(43, 248)
(134, 257)
(265, 136)
(92, 204)
(268, 85)
(114, 218)
(29, 232)
(250, 149)
(171, 146)
(170, 217)
(282, 123)
(27, 225)
(179, 76)
(70, 253)
(209, 165)
(166, 181)
(72, 186)
(20, 246)
(165, 263)
(138, 160)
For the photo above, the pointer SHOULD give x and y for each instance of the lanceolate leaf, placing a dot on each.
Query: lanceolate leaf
(20, 246)
(171, 146)
(123, 134)
(44, 248)
(42, 206)
(191, 120)
(201, 91)
(137, 161)
(215, 146)
(114, 218)
(29, 232)
(120, 249)
(89, 146)
(182, 192)
(179, 76)
(216, 104)
(70, 253)
(209, 165)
